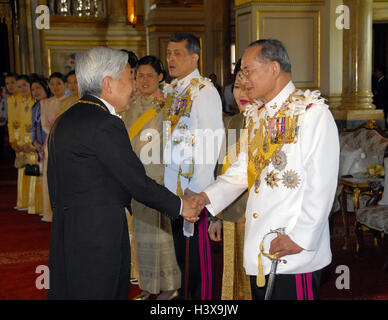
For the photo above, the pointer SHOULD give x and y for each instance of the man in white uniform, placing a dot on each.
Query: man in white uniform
(194, 110)
(290, 168)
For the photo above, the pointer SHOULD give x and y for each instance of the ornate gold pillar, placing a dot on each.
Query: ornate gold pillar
(357, 97)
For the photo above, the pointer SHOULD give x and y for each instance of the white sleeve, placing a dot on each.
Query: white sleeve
(228, 186)
(208, 129)
(320, 153)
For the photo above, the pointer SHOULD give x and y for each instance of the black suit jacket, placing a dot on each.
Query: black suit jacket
(92, 175)
(381, 95)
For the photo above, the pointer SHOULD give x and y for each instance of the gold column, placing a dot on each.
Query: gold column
(22, 37)
(357, 97)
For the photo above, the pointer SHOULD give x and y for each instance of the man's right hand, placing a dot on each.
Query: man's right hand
(192, 208)
(215, 230)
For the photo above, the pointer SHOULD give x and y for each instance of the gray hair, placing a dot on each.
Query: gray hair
(95, 64)
(273, 50)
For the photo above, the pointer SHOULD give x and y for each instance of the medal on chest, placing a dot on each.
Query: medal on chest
(265, 147)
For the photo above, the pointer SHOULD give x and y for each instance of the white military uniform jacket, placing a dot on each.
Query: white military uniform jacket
(300, 200)
(182, 149)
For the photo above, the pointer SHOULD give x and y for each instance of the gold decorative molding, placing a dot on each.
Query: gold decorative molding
(55, 47)
(380, 10)
(334, 100)
(175, 28)
(242, 2)
(174, 3)
(73, 20)
(94, 43)
(358, 114)
(371, 124)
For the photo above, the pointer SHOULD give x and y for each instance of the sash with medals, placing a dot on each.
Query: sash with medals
(268, 140)
(157, 106)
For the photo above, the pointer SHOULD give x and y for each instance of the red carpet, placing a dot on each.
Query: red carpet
(24, 244)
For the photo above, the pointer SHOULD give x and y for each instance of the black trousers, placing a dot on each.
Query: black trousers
(304, 286)
(194, 275)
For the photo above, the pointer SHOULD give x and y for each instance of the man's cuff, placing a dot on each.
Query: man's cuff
(211, 209)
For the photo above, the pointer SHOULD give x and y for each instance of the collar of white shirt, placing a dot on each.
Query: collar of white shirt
(109, 106)
(276, 103)
(183, 83)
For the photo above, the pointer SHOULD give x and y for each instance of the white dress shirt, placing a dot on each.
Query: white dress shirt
(109, 106)
(303, 209)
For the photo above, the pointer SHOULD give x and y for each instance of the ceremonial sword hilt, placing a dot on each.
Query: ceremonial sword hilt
(272, 257)
(275, 261)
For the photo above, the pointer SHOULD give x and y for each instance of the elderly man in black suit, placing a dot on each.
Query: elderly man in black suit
(92, 175)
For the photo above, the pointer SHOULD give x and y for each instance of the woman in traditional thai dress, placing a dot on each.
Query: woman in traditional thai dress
(71, 84)
(132, 61)
(49, 112)
(12, 114)
(235, 283)
(20, 118)
(40, 91)
(159, 272)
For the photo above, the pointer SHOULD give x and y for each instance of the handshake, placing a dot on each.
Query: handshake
(193, 204)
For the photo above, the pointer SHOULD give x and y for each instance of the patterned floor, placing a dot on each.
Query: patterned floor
(23, 256)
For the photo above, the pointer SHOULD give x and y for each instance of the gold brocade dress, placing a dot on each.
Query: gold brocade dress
(154, 246)
(235, 283)
(49, 112)
(66, 103)
(19, 127)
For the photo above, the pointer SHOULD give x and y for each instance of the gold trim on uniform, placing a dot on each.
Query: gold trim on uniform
(268, 139)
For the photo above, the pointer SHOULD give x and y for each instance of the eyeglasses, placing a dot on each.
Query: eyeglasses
(246, 72)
